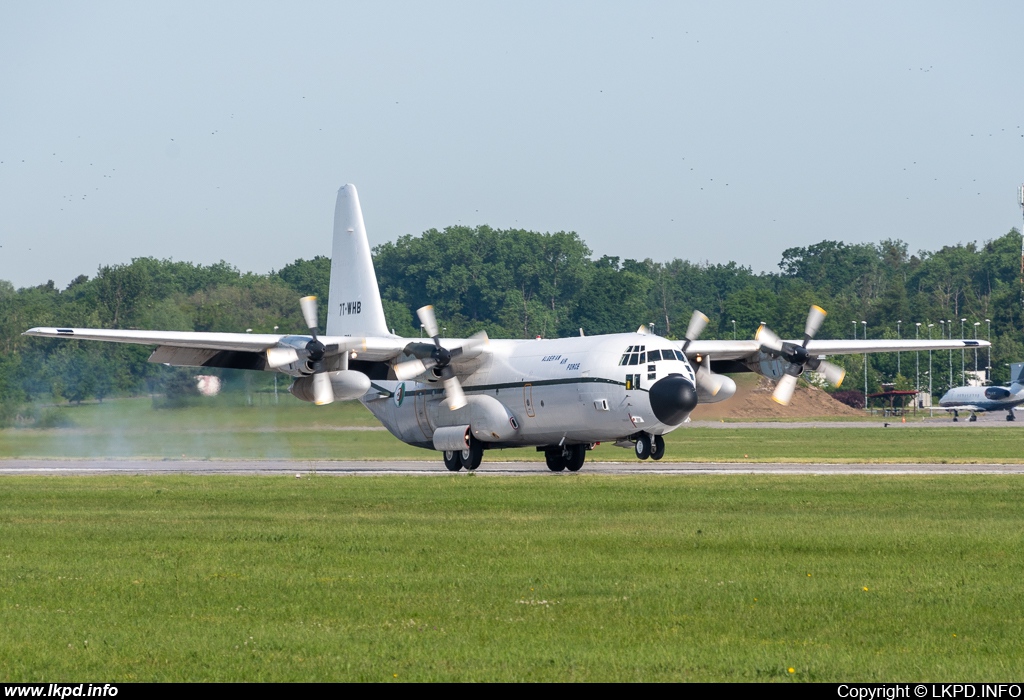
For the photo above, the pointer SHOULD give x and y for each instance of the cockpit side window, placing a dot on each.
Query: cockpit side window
(680, 356)
(653, 355)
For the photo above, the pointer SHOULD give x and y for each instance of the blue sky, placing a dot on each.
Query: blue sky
(705, 131)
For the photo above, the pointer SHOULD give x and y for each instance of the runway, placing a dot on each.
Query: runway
(80, 467)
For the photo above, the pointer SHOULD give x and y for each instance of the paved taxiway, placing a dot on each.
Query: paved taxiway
(77, 467)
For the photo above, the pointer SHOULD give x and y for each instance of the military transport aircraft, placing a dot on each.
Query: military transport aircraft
(978, 399)
(463, 396)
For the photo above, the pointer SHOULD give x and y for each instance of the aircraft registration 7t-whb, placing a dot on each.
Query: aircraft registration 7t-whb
(464, 396)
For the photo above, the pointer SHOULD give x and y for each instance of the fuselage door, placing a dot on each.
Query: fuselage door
(421, 414)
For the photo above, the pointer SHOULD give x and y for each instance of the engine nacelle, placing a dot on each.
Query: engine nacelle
(487, 417)
(347, 384)
(712, 388)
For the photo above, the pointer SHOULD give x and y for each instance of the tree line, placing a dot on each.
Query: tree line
(522, 284)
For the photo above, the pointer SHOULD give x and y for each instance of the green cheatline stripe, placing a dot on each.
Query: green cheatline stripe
(510, 385)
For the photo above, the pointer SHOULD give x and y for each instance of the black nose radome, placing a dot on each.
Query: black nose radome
(672, 398)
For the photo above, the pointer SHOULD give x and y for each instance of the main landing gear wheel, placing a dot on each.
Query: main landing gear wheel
(472, 457)
(452, 460)
(972, 419)
(1010, 416)
(643, 446)
(553, 457)
(574, 456)
(569, 457)
(658, 451)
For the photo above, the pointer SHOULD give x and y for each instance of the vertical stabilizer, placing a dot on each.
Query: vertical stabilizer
(355, 307)
(1017, 373)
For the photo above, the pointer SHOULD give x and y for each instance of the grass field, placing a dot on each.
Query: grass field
(462, 578)
(229, 429)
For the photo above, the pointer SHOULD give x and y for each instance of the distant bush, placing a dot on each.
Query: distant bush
(179, 390)
(850, 397)
(52, 418)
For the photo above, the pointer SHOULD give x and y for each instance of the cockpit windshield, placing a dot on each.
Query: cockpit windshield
(638, 355)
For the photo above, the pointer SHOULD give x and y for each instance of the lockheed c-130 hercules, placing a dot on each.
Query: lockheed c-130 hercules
(464, 396)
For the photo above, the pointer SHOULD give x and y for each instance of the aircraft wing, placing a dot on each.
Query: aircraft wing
(172, 343)
(749, 349)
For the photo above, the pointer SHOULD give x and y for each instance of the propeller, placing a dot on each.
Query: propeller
(314, 352)
(709, 382)
(798, 357)
(439, 361)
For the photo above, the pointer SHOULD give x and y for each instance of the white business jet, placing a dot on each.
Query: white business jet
(464, 396)
(979, 399)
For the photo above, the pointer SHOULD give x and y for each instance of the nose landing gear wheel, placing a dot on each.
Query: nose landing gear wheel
(1010, 416)
(452, 460)
(972, 419)
(643, 446)
(658, 451)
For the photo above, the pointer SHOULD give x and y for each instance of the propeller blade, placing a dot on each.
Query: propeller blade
(471, 347)
(697, 323)
(814, 321)
(405, 371)
(768, 339)
(279, 357)
(784, 390)
(323, 392)
(453, 391)
(834, 374)
(426, 314)
(309, 313)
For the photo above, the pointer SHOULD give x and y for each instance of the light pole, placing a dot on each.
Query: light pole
(988, 368)
(734, 329)
(942, 328)
(963, 356)
(865, 324)
(854, 330)
(976, 324)
(949, 326)
(899, 371)
(930, 394)
(917, 358)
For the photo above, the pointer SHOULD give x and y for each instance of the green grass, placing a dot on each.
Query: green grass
(227, 428)
(566, 577)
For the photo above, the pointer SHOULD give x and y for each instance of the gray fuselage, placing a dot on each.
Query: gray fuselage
(548, 392)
